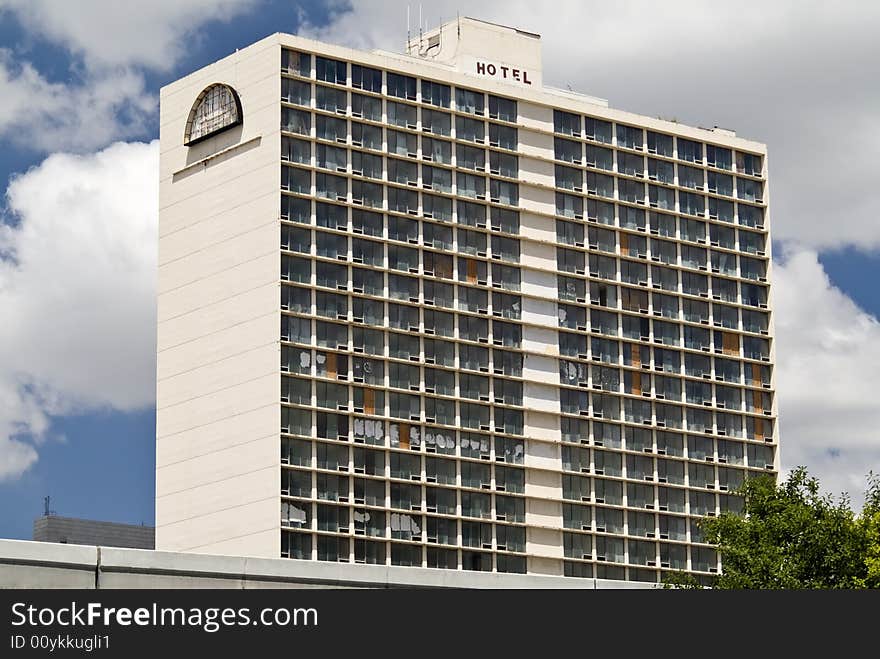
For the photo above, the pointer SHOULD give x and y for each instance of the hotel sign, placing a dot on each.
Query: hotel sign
(501, 72)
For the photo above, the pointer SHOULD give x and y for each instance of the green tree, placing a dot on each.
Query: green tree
(791, 536)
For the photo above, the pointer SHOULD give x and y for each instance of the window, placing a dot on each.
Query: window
(296, 91)
(331, 128)
(690, 150)
(296, 121)
(369, 137)
(600, 157)
(330, 99)
(690, 177)
(566, 123)
(749, 190)
(719, 157)
(298, 63)
(435, 93)
(630, 164)
(296, 180)
(629, 137)
(438, 151)
(331, 157)
(469, 101)
(502, 108)
(660, 144)
(597, 130)
(567, 150)
(330, 70)
(503, 164)
(504, 137)
(401, 86)
(438, 123)
(720, 183)
(748, 163)
(363, 77)
(600, 184)
(471, 130)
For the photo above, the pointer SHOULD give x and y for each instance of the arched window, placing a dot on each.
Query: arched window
(216, 109)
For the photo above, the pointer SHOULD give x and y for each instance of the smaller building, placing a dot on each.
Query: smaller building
(73, 531)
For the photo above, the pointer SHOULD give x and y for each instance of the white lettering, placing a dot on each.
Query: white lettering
(21, 616)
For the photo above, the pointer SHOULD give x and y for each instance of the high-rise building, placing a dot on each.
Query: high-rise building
(421, 309)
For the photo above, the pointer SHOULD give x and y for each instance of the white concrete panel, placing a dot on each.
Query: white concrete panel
(541, 425)
(202, 320)
(222, 404)
(539, 284)
(541, 397)
(538, 200)
(543, 455)
(541, 340)
(543, 485)
(540, 117)
(540, 312)
(213, 378)
(550, 567)
(537, 172)
(248, 520)
(544, 542)
(259, 454)
(259, 422)
(244, 184)
(541, 369)
(226, 496)
(228, 278)
(248, 335)
(537, 227)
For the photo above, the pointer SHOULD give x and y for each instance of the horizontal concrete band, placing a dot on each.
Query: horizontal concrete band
(27, 564)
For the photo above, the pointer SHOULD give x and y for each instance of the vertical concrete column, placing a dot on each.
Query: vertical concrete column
(540, 339)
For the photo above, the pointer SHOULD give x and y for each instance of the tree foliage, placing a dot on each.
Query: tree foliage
(790, 536)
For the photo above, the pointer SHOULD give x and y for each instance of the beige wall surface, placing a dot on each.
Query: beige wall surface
(217, 415)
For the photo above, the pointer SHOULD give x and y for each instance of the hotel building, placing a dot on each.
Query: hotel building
(421, 309)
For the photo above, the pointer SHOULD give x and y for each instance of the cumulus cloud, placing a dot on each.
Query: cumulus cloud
(828, 376)
(797, 75)
(52, 116)
(104, 98)
(77, 290)
(109, 34)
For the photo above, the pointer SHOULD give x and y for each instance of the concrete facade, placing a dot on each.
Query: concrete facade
(614, 297)
(26, 564)
(68, 530)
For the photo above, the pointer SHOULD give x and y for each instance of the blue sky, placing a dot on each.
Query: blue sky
(79, 111)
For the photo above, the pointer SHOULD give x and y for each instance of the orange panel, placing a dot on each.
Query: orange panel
(471, 271)
(730, 343)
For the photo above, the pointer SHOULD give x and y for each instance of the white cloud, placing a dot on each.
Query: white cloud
(110, 34)
(104, 98)
(828, 376)
(47, 116)
(793, 74)
(77, 290)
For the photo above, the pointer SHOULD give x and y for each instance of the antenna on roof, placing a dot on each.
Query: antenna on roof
(408, 39)
(458, 21)
(420, 28)
(47, 510)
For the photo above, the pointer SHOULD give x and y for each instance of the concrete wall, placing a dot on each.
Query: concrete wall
(90, 532)
(217, 411)
(26, 564)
